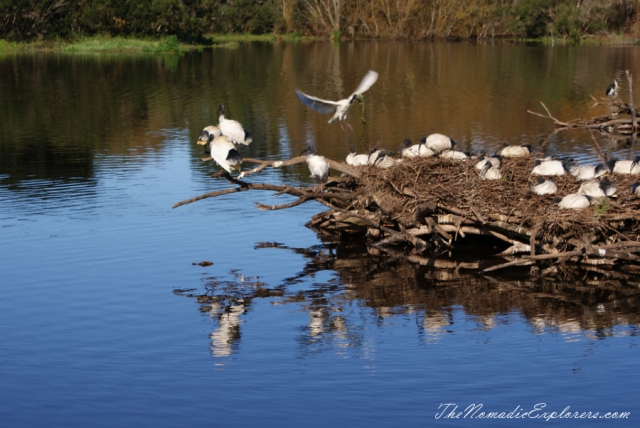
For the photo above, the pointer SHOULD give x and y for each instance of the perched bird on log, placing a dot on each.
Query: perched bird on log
(597, 190)
(354, 159)
(204, 136)
(341, 107)
(233, 129)
(544, 187)
(439, 143)
(515, 151)
(224, 153)
(627, 167)
(612, 90)
(574, 201)
(318, 166)
(410, 150)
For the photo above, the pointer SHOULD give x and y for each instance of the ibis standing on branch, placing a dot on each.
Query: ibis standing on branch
(318, 166)
(233, 129)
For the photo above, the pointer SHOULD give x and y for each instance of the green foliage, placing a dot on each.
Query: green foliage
(191, 20)
(249, 16)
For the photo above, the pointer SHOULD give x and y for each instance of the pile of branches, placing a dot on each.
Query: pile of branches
(424, 206)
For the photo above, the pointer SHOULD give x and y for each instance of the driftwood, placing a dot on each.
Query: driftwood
(606, 124)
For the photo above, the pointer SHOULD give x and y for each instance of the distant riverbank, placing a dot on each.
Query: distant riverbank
(171, 44)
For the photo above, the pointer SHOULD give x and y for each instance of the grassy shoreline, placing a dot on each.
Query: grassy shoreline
(171, 45)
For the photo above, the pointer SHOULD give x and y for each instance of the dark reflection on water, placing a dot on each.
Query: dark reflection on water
(592, 303)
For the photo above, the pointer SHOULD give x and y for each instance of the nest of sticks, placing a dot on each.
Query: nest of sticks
(429, 204)
(424, 207)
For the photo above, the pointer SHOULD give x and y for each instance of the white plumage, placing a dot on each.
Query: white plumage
(548, 167)
(515, 151)
(354, 159)
(341, 107)
(626, 166)
(575, 202)
(483, 159)
(385, 161)
(233, 129)
(204, 135)
(439, 143)
(597, 190)
(410, 150)
(544, 187)
(490, 172)
(635, 189)
(589, 172)
(318, 166)
(224, 153)
(453, 154)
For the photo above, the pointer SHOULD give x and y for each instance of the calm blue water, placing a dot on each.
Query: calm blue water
(108, 320)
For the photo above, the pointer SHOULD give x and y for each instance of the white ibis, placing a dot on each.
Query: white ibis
(224, 153)
(575, 201)
(509, 151)
(490, 172)
(549, 167)
(318, 166)
(203, 139)
(544, 187)
(589, 172)
(627, 167)
(439, 143)
(612, 89)
(354, 159)
(341, 107)
(596, 189)
(635, 189)
(483, 159)
(453, 154)
(410, 150)
(233, 129)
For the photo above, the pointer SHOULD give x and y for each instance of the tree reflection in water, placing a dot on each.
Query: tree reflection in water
(370, 288)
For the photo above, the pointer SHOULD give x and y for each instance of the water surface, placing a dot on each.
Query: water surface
(110, 320)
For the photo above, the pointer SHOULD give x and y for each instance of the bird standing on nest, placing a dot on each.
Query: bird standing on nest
(612, 90)
(233, 129)
(224, 153)
(341, 107)
(318, 166)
